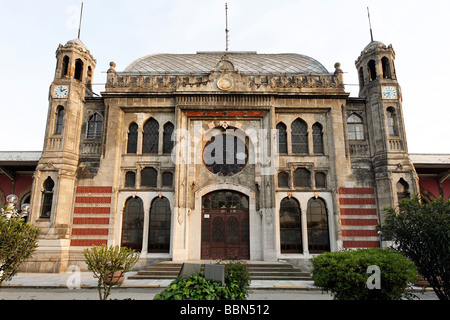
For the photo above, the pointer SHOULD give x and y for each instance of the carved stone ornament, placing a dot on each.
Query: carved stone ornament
(224, 83)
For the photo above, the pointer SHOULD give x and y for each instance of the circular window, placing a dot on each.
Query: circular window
(225, 154)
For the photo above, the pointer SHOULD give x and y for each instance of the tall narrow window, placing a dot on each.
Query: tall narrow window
(130, 179)
(371, 67)
(355, 127)
(299, 133)
(167, 138)
(392, 121)
(283, 180)
(318, 235)
(159, 227)
(167, 179)
(317, 138)
(361, 77)
(78, 69)
(47, 199)
(65, 67)
(133, 224)
(290, 226)
(386, 68)
(149, 177)
(59, 120)
(132, 138)
(95, 126)
(282, 138)
(151, 137)
(320, 180)
(302, 178)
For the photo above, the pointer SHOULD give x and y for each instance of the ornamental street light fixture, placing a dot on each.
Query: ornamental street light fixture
(10, 209)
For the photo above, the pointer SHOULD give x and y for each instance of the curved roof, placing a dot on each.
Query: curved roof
(244, 62)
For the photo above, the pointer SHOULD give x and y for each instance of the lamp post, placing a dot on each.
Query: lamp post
(10, 209)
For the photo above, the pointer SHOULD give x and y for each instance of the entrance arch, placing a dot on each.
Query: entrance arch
(225, 225)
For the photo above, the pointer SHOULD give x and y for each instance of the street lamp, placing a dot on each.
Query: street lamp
(10, 209)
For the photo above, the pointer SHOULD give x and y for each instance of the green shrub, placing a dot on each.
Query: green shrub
(345, 274)
(196, 287)
(109, 264)
(18, 241)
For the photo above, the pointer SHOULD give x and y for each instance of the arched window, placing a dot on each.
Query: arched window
(167, 179)
(282, 138)
(283, 180)
(151, 137)
(95, 126)
(302, 178)
(318, 234)
(392, 121)
(132, 138)
(149, 177)
(47, 198)
(133, 224)
(371, 67)
(167, 138)
(320, 180)
(78, 69)
(130, 179)
(317, 138)
(59, 123)
(65, 67)
(402, 189)
(299, 134)
(159, 227)
(386, 68)
(290, 226)
(361, 76)
(355, 127)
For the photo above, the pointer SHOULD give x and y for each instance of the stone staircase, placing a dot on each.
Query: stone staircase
(258, 271)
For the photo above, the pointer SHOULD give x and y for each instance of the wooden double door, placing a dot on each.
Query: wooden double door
(225, 225)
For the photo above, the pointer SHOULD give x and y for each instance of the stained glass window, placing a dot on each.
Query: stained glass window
(299, 134)
(151, 137)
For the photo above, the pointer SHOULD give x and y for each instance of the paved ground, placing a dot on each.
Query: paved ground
(82, 286)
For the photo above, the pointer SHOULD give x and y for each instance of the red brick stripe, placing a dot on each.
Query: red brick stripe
(194, 113)
(352, 211)
(359, 222)
(356, 191)
(90, 220)
(94, 189)
(100, 210)
(93, 200)
(255, 113)
(361, 244)
(87, 242)
(357, 201)
(90, 232)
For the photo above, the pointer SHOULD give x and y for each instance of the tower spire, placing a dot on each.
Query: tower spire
(370, 25)
(81, 16)
(226, 27)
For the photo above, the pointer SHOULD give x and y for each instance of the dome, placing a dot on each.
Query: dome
(374, 44)
(76, 42)
(249, 63)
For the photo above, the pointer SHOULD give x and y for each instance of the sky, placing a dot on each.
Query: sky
(329, 31)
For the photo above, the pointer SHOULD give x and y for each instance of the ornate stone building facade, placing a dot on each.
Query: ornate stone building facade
(207, 155)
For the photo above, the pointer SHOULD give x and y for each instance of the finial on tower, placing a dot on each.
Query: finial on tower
(226, 27)
(370, 25)
(81, 16)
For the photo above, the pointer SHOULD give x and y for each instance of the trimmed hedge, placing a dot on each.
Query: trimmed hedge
(345, 273)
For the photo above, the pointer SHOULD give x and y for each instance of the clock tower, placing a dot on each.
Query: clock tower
(55, 176)
(394, 173)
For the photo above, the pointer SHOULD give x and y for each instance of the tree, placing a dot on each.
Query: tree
(18, 241)
(422, 233)
(109, 264)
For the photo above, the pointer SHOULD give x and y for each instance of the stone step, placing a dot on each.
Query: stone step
(257, 271)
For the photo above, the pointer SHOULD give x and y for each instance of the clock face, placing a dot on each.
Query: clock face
(389, 93)
(61, 91)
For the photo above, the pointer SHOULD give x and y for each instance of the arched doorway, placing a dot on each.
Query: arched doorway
(159, 226)
(132, 224)
(225, 225)
(290, 226)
